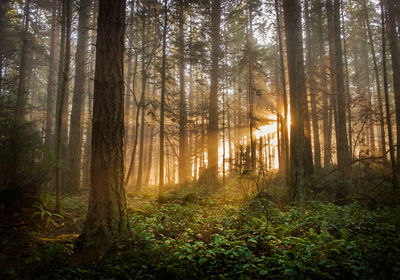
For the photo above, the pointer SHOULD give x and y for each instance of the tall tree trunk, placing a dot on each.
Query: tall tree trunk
(285, 135)
(312, 87)
(52, 78)
(250, 46)
(106, 220)
(162, 102)
(394, 50)
(297, 85)
(183, 140)
(213, 107)
(142, 104)
(75, 134)
(62, 95)
(387, 106)
(335, 47)
(377, 80)
(24, 69)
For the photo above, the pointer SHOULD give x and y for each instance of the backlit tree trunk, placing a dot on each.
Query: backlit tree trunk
(297, 84)
(213, 108)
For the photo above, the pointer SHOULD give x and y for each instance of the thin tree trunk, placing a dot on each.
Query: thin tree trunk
(285, 135)
(52, 79)
(312, 88)
(183, 141)
(162, 102)
(24, 70)
(213, 107)
(378, 84)
(142, 104)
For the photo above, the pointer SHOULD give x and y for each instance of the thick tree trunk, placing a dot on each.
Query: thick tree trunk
(394, 50)
(213, 108)
(75, 134)
(297, 84)
(106, 220)
(387, 104)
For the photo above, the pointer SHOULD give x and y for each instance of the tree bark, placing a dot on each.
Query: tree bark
(24, 69)
(75, 135)
(213, 107)
(183, 139)
(162, 101)
(285, 167)
(62, 95)
(52, 79)
(335, 47)
(394, 50)
(106, 220)
(377, 80)
(297, 85)
(387, 106)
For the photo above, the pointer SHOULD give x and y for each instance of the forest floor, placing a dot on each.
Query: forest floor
(226, 234)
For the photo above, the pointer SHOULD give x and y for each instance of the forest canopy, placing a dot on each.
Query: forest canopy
(159, 139)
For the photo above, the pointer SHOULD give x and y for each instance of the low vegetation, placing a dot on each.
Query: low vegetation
(192, 234)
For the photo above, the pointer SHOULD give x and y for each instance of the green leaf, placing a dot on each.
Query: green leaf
(263, 272)
(202, 261)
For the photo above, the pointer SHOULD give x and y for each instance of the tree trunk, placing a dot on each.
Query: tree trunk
(378, 84)
(387, 106)
(312, 87)
(285, 168)
(162, 102)
(106, 220)
(52, 79)
(213, 107)
(183, 141)
(62, 95)
(297, 84)
(335, 47)
(24, 70)
(394, 49)
(75, 135)
(142, 104)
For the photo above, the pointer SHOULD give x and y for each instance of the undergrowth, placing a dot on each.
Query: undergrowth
(194, 235)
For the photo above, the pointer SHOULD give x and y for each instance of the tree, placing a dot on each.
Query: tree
(106, 220)
(297, 85)
(52, 79)
(394, 50)
(24, 70)
(62, 95)
(386, 92)
(183, 137)
(162, 101)
(337, 76)
(212, 132)
(75, 134)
